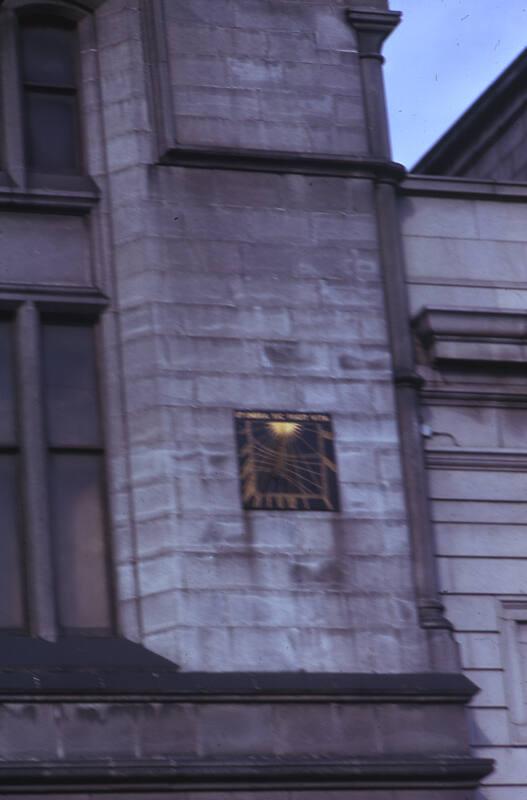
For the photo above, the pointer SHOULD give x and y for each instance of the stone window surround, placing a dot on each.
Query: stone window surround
(22, 191)
(17, 186)
(26, 310)
(513, 612)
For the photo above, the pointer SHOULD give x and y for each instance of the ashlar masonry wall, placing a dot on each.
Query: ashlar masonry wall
(250, 289)
(465, 245)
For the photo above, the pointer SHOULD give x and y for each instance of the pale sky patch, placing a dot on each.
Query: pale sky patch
(442, 56)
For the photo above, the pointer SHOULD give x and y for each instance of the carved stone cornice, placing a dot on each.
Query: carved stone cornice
(473, 335)
(499, 460)
(77, 7)
(283, 162)
(372, 28)
(256, 772)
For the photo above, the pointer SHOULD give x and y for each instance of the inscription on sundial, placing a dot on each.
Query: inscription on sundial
(287, 461)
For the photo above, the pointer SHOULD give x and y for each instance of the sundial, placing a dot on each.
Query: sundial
(287, 461)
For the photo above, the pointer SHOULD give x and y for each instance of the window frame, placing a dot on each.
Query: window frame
(512, 612)
(28, 314)
(27, 20)
(15, 176)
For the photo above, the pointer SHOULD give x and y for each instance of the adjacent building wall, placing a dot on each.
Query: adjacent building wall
(466, 247)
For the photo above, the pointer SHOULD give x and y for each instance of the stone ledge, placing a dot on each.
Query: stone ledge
(80, 200)
(463, 772)
(479, 459)
(282, 162)
(473, 335)
(474, 188)
(112, 667)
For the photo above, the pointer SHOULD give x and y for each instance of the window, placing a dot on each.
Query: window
(41, 119)
(53, 532)
(513, 622)
(48, 61)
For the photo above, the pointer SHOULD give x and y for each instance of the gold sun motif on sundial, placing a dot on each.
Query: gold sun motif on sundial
(284, 430)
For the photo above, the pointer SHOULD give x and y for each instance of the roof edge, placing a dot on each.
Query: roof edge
(482, 114)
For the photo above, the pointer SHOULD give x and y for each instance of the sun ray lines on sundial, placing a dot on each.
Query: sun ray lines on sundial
(290, 465)
(293, 471)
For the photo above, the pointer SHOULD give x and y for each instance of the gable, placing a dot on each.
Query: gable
(488, 140)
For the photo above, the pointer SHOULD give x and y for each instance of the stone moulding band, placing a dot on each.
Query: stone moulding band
(72, 202)
(282, 162)
(131, 685)
(452, 772)
(477, 335)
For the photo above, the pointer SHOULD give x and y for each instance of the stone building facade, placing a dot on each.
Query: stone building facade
(463, 218)
(200, 216)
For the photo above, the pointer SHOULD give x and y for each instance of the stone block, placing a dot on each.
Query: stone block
(249, 190)
(124, 151)
(321, 325)
(463, 260)
(338, 79)
(480, 650)
(304, 729)
(161, 573)
(501, 221)
(464, 426)
(271, 16)
(52, 248)
(192, 288)
(475, 614)
(29, 731)
(348, 138)
(257, 73)
(247, 392)
(421, 295)
(428, 216)
(401, 730)
(477, 511)
(159, 611)
(357, 464)
(321, 193)
(256, 648)
(200, 12)
(484, 575)
(91, 729)
(199, 71)
(265, 609)
(201, 607)
(211, 102)
(478, 485)
(294, 357)
(489, 726)
(508, 778)
(329, 228)
(196, 493)
(491, 688)
(125, 579)
(154, 534)
(310, 105)
(492, 541)
(168, 730)
(512, 428)
(155, 498)
(235, 729)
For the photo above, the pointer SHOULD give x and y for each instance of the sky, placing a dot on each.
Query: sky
(442, 56)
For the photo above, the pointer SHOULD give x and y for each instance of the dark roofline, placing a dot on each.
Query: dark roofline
(478, 127)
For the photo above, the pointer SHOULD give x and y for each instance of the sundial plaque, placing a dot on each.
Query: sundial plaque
(287, 461)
